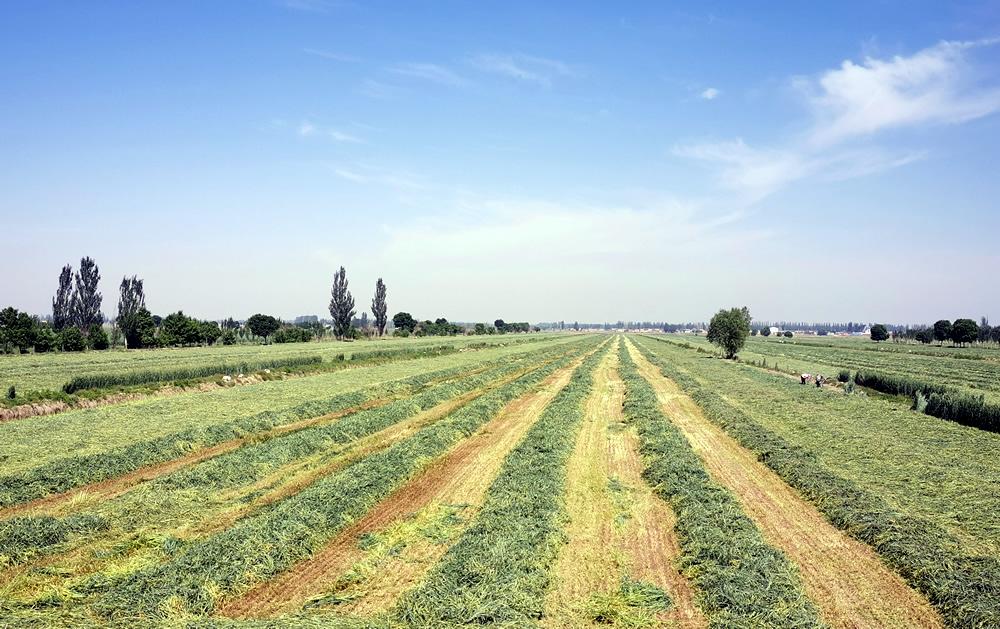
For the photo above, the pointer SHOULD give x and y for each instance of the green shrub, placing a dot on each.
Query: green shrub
(132, 378)
(71, 340)
(97, 338)
(844, 375)
(11, 392)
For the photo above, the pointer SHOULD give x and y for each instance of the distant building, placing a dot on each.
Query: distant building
(306, 319)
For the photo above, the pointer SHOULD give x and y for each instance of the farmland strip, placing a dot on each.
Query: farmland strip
(498, 570)
(965, 589)
(459, 478)
(619, 532)
(65, 474)
(742, 580)
(265, 544)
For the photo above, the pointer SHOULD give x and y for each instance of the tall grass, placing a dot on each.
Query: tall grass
(133, 378)
(262, 545)
(742, 581)
(965, 588)
(942, 401)
(497, 572)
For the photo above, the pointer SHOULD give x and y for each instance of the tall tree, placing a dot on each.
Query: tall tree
(341, 304)
(263, 325)
(879, 333)
(379, 307)
(942, 330)
(62, 303)
(729, 330)
(131, 301)
(964, 331)
(86, 297)
(404, 321)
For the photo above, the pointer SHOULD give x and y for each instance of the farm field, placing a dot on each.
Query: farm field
(50, 371)
(580, 480)
(978, 371)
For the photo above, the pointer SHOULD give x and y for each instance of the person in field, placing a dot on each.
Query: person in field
(804, 378)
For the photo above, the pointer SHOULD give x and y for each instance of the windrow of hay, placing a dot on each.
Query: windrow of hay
(964, 588)
(132, 378)
(64, 474)
(498, 571)
(742, 581)
(262, 545)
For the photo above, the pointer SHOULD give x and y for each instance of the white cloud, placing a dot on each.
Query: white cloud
(710, 93)
(334, 56)
(377, 89)
(523, 67)
(308, 129)
(429, 72)
(935, 85)
(313, 6)
(849, 104)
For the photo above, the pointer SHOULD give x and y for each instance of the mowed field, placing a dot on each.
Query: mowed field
(573, 480)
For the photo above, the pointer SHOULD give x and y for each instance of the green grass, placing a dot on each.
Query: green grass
(33, 442)
(497, 572)
(133, 378)
(34, 372)
(741, 580)
(260, 546)
(920, 491)
(944, 368)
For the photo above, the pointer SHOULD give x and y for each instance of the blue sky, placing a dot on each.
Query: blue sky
(591, 161)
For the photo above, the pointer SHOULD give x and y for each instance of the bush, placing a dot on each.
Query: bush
(45, 340)
(97, 338)
(11, 392)
(71, 340)
(844, 375)
(131, 378)
(228, 337)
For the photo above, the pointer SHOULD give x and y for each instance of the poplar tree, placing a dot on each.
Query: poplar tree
(131, 302)
(379, 308)
(62, 303)
(86, 297)
(341, 304)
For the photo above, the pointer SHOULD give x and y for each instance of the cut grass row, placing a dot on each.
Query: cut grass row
(133, 378)
(742, 580)
(64, 474)
(497, 572)
(964, 588)
(264, 544)
(34, 372)
(160, 498)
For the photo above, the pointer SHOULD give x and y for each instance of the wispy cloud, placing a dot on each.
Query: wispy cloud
(523, 67)
(333, 56)
(365, 174)
(935, 85)
(428, 72)
(308, 129)
(849, 104)
(377, 89)
(710, 93)
(313, 6)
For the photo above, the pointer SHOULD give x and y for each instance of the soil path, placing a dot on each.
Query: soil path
(460, 477)
(845, 578)
(617, 526)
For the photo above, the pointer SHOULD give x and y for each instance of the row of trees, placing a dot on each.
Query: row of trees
(342, 306)
(959, 332)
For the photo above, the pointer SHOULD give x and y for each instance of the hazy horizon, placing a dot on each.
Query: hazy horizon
(507, 160)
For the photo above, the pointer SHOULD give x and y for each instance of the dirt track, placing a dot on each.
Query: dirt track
(845, 578)
(461, 477)
(617, 527)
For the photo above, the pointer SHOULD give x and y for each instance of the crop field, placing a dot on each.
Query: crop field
(570, 481)
(36, 372)
(977, 370)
